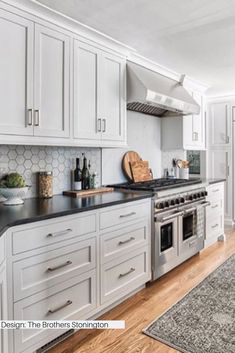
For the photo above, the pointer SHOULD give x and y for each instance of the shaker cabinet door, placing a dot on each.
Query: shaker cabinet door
(219, 124)
(51, 85)
(16, 74)
(87, 124)
(112, 97)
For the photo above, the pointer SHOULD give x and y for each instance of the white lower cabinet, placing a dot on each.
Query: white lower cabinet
(214, 213)
(72, 268)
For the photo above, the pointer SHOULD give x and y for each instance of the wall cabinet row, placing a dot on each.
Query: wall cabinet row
(56, 87)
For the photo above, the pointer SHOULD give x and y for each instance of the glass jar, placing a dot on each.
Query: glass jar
(45, 185)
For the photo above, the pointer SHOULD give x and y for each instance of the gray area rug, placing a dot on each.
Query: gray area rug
(204, 320)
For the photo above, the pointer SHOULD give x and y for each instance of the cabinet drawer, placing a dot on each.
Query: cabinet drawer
(215, 208)
(214, 226)
(121, 215)
(124, 275)
(215, 191)
(41, 236)
(40, 272)
(124, 240)
(57, 303)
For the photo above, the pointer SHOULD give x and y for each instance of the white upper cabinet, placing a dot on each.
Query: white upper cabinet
(219, 127)
(186, 132)
(112, 97)
(16, 74)
(51, 84)
(86, 124)
(99, 96)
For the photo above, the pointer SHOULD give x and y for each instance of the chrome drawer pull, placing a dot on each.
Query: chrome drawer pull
(99, 125)
(126, 241)
(216, 190)
(214, 206)
(215, 226)
(127, 273)
(36, 117)
(57, 234)
(127, 215)
(51, 269)
(30, 117)
(69, 302)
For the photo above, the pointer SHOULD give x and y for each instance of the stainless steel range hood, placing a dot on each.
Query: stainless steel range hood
(151, 93)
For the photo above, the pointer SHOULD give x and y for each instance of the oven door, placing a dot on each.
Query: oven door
(166, 238)
(188, 242)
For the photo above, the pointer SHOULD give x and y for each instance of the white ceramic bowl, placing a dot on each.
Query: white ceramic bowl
(14, 196)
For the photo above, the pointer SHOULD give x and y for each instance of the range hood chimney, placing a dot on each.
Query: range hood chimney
(151, 93)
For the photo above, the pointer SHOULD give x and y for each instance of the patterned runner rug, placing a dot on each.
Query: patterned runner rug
(204, 320)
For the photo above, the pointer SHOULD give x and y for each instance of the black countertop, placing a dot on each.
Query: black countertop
(35, 209)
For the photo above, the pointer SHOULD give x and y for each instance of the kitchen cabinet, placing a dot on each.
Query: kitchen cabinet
(51, 83)
(104, 254)
(16, 72)
(186, 132)
(215, 214)
(99, 96)
(219, 167)
(219, 124)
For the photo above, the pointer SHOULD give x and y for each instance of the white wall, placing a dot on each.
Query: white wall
(144, 137)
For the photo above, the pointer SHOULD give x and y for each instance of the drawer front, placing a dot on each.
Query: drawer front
(214, 226)
(215, 208)
(71, 303)
(121, 215)
(42, 236)
(121, 242)
(40, 272)
(124, 275)
(215, 191)
(2, 249)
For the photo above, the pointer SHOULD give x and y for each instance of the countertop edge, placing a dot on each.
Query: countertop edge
(70, 212)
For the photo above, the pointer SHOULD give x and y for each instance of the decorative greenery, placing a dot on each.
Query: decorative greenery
(12, 180)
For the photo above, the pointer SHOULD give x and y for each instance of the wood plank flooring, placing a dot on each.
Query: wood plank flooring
(139, 310)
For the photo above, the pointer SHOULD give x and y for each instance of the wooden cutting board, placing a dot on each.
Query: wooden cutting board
(140, 171)
(129, 157)
(74, 193)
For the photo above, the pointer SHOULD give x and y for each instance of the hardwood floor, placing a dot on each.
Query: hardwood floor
(139, 310)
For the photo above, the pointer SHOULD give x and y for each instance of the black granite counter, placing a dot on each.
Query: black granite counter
(35, 209)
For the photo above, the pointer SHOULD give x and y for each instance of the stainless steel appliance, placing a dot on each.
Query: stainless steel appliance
(178, 227)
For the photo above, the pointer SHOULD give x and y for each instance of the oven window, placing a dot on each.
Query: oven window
(188, 228)
(166, 236)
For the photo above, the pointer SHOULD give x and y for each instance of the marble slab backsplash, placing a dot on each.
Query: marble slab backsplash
(167, 157)
(28, 160)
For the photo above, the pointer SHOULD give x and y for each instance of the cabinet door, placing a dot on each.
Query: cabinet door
(51, 89)
(16, 74)
(198, 122)
(219, 124)
(219, 162)
(112, 97)
(3, 312)
(194, 127)
(85, 99)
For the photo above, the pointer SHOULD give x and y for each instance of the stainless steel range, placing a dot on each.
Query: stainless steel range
(178, 220)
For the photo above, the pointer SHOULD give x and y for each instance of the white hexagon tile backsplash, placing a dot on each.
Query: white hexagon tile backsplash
(28, 160)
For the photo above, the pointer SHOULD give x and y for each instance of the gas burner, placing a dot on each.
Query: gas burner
(158, 184)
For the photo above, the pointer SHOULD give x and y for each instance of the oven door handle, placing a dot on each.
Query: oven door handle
(190, 210)
(205, 204)
(168, 218)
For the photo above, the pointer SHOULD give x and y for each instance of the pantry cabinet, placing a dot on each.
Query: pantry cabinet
(219, 125)
(99, 95)
(186, 132)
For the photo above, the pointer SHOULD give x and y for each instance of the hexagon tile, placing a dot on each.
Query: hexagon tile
(28, 160)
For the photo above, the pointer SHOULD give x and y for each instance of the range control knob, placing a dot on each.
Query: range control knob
(166, 204)
(160, 205)
(182, 199)
(198, 194)
(190, 197)
(195, 196)
(177, 201)
(172, 202)
(206, 193)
